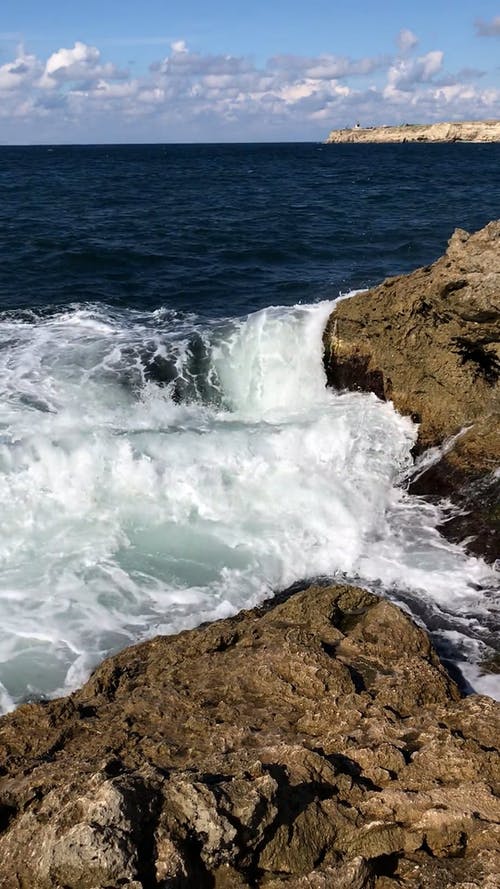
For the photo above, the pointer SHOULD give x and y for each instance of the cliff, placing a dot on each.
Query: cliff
(466, 131)
(430, 342)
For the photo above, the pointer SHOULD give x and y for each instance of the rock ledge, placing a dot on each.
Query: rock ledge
(430, 342)
(315, 742)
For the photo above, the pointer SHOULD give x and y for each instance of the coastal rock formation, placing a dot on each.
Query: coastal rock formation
(314, 742)
(430, 342)
(465, 131)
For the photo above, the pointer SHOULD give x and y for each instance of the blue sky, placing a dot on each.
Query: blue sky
(222, 71)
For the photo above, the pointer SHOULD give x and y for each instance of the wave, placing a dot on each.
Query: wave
(158, 471)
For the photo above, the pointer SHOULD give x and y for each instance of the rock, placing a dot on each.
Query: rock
(430, 342)
(466, 131)
(81, 834)
(298, 745)
(354, 875)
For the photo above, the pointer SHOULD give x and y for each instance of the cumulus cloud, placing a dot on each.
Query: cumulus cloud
(488, 29)
(404, 74)
(75, 93)
(179, 46)
(21, 71)
(406, 40)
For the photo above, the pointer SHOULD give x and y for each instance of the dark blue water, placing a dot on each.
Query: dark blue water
(229, 229)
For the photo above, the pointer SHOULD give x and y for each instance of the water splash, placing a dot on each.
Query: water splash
(156, 472)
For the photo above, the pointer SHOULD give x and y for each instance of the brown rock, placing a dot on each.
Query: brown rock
(430, 342)
(293, 745)
(355, 874)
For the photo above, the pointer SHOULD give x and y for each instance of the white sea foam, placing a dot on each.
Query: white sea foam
(130, 508)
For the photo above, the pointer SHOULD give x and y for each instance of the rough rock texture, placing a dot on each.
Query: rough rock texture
(465, 131)
(316, 742)
(430, 341)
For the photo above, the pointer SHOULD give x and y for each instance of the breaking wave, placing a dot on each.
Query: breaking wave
(157, 471)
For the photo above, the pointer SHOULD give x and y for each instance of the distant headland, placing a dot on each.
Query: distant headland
(464, 131)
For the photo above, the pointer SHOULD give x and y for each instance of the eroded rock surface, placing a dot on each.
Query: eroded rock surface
(315, 742)
(464, 131)
(430, 342)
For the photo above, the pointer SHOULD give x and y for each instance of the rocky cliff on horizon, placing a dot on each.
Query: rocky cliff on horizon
(464, 131)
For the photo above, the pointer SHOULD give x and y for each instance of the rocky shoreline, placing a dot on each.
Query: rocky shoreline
(465, 131)
(316, 741)
(430, 342)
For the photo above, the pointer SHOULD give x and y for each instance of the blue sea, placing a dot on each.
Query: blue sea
(169, 453)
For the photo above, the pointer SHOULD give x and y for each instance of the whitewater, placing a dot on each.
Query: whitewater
(158, 471)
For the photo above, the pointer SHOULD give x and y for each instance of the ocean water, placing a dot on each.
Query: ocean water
(169, 452)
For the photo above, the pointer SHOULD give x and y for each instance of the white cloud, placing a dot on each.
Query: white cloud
(116, 90)
(430, 64)
(405, 74)
(187, 64)
(187, 95)
(406, 40)
(488, 29)
(80, 63)
(179, 46)
(326, 66)
(14, 75)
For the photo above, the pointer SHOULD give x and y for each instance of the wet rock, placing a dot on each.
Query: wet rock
(298, 744)
(430, 342)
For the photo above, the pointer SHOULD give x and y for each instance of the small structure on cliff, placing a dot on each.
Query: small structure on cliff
(465, 131)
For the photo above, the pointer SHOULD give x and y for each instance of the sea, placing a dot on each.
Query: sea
(169, 451)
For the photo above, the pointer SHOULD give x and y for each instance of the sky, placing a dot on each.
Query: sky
(241, 70)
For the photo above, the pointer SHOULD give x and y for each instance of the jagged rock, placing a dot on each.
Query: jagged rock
(354, 875)
(430, 342)
(314, 742)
